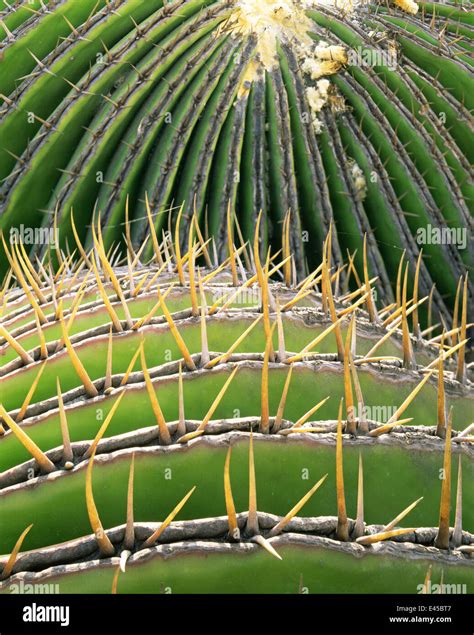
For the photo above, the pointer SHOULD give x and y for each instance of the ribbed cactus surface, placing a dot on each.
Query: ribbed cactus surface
(234, 302)
(346, 112)
(159, 415)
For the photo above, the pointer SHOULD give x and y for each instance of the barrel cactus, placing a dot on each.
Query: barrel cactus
(234, 312)
(126, 390)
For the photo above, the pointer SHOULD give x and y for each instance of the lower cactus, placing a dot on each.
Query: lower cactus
(160, 412)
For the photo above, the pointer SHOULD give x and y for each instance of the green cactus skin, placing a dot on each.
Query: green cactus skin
(114, 349)
(232, 347)
(109, 117)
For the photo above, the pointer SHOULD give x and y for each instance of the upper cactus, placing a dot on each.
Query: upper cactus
(347, 112)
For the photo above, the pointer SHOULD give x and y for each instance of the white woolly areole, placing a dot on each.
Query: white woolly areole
(358, 180)
(273, 21)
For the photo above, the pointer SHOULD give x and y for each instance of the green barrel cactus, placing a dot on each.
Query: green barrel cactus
(134, 394)
(234, 308)
(345, 112)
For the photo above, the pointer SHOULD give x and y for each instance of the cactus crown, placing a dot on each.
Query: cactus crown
(350, 113)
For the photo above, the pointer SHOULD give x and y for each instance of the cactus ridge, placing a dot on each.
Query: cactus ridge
(70, 558)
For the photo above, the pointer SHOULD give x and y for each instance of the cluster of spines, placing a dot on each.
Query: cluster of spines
(169, 257)
(38, 291)
(345, 531)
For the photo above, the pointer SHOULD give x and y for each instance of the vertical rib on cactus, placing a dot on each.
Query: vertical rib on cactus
(235, 175)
